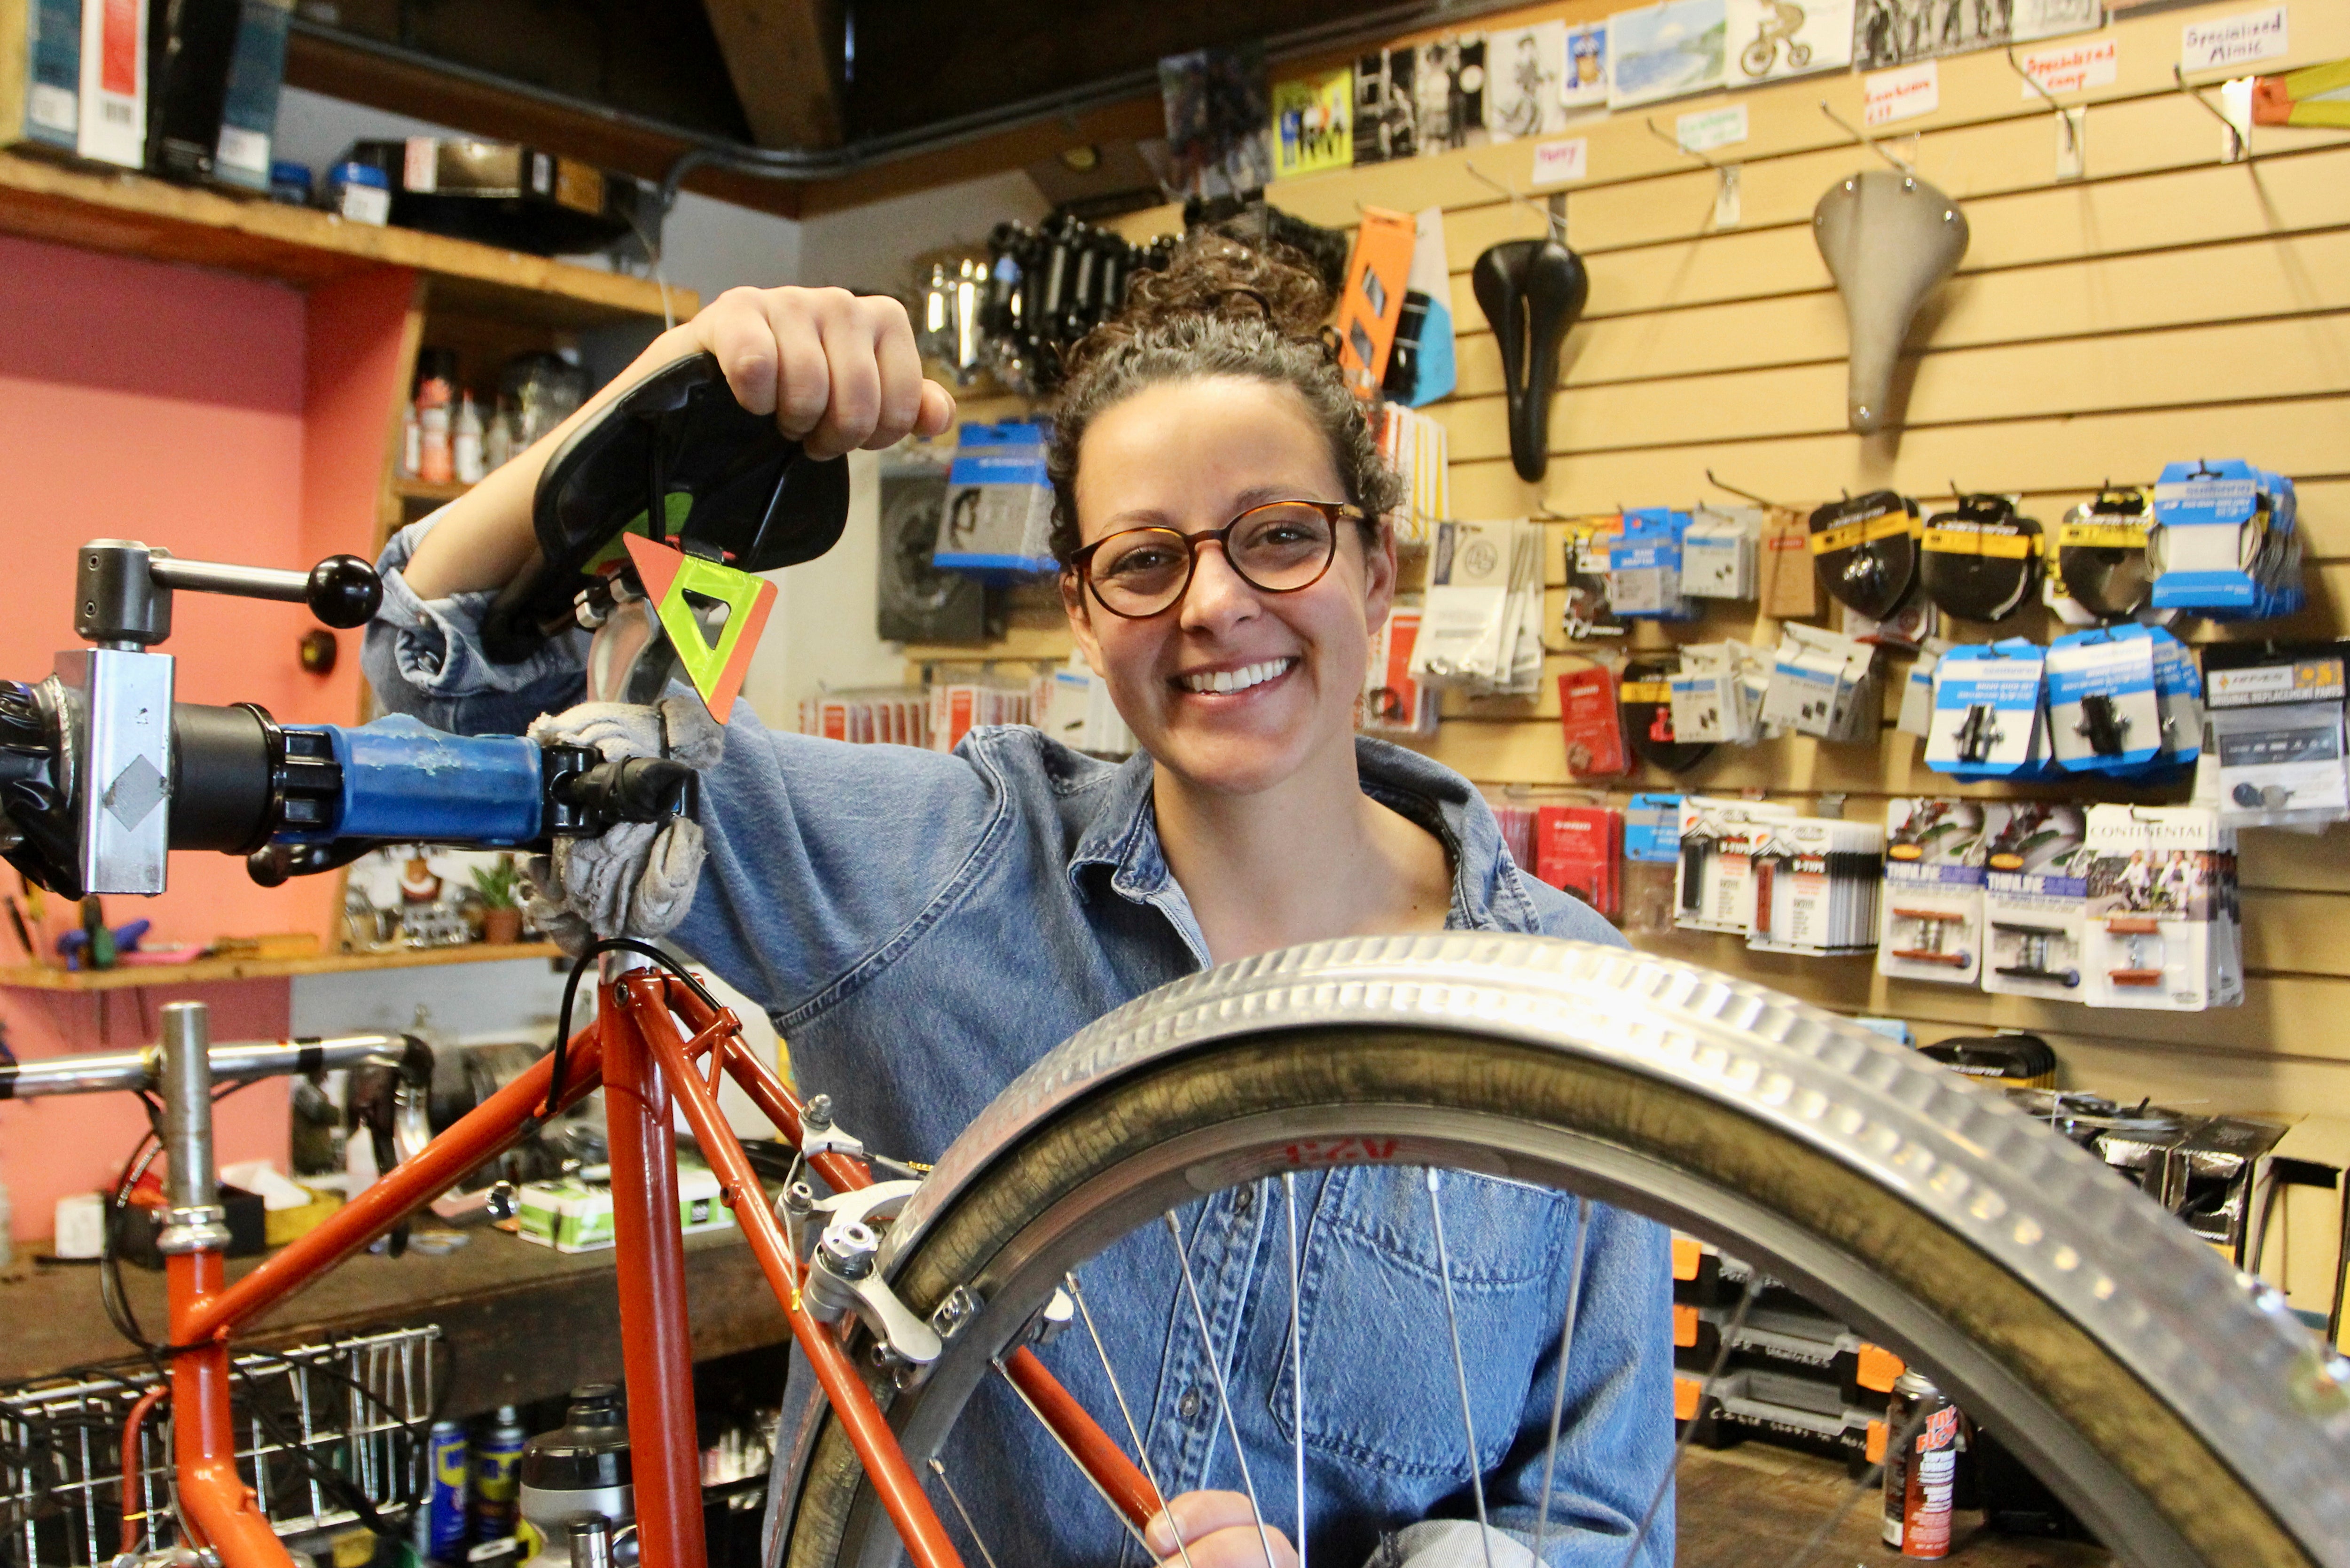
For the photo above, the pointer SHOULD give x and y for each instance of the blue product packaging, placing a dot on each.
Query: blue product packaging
(1987, 712)
(52, 75)
(2225, 541)
(443, 1535)
(2103, 715)
(998, 518)
(2178, 693)
(1652, 829)
(1644, 566)
(256, 70)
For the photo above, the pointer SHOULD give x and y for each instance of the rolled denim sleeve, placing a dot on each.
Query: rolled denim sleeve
(1615, 1428)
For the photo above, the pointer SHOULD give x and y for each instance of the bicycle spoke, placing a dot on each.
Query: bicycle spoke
(1559, 1388)
(1116, 1513)
(1223, 1398)
(1460, 1368)
(1142, 1451)
(940, 1471)
(1296, 1366)
(1680, 1444)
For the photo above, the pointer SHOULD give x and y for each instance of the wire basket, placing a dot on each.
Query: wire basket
(322, 1430)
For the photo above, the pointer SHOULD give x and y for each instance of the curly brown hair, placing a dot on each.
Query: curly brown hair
(1220, 308)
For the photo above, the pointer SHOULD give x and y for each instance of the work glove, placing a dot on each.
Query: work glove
(638, 879)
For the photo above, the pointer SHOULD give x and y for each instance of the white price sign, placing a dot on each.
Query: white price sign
(1559, 162)
(2073, 67)
(1901, 94)
(2231, 40)
(1712, 128)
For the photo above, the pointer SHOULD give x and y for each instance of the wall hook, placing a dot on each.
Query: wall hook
(1726, 193)
(1678, 145)
(1553, 222)
(2237, 148)
(1746, 494)
(2072, 124)
(1907, 169)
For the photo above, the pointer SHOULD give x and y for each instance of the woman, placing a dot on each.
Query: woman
(921, 927)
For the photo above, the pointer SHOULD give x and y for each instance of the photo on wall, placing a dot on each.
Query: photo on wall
(1386, 113)
(1313, 123)
(1585, 86)
(1449, 86)
(2036, 19)
(1524, 69)
(1218, 121)
(1894, 31)
(1773, 39)
(1665, 51)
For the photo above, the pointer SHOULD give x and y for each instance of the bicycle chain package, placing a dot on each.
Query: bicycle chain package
(2162, 923)
(1934, 853)
(1887, 239)
(2097, 570)
(1989, 718)
(2035, 899)
(2275, 720)
(2224, 542)
(1980, 561)
(1646, 694)
(1531, 291)
(1865, 550)
(676, 461)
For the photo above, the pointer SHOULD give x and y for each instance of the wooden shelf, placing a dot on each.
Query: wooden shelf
(426, 490)
(132, 214)
(205, 971)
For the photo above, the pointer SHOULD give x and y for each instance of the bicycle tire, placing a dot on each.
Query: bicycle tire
(2188, 1419)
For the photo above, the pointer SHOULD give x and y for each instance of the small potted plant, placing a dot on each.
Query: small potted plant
(500, 886)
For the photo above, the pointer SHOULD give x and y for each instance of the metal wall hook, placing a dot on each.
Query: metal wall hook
(1678, 145)
(2072, 124)
(2239, 148)
(1743, 494)
(1554, 222)
(1907, 168)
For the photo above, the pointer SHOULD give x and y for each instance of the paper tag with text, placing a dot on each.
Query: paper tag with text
(1712, 128)
(2072, 67)
(2231, 40)
(1903, 93)
(1557, 162)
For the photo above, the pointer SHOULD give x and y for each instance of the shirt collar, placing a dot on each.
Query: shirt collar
(1124, 835)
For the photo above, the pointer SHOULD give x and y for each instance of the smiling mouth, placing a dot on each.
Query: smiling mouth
(1219, 682)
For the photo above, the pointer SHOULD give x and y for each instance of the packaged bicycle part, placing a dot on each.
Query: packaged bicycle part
(1644, 566)
(2162, 926)
(1580, 848)
(1718, 692)
(1913, 620)
(1718, 837)
(1393, 702)
(1788, 583)
(998, 519)
(2275, 720)
(1815, 886)
(518, 198)
(1588, 613)
(2009, 1058)
(1934, 852)
(1378, 276)
(1988, 721)
(2035, 897)
(2099, 562)
(1719, 549)
(1652, 826)
(1865, 550)
(2104, 712)
(1917, 691)
(1980, 560)
(1820, 685)
(1646, 693)
(2224, 542)
(574, 1213)
(1592, 724)
(1481, 627)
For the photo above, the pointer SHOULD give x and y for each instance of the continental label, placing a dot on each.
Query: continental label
(1966, 540)
(1866, 531)
(1647, 691)
(2101, 535)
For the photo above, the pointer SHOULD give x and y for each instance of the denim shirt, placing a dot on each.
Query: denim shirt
(923, 926)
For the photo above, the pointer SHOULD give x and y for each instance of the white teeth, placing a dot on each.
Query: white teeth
(1236, 679)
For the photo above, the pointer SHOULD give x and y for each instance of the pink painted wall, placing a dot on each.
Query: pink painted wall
(175, 406)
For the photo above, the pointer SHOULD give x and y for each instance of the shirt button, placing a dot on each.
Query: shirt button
(1188, 1406)
(1241, 1199)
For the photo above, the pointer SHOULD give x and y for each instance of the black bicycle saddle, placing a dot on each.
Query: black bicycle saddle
(731, 486)
(1531, 292)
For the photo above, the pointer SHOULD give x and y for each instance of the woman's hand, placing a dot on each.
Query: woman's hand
(837, 372)
(1217, 1529)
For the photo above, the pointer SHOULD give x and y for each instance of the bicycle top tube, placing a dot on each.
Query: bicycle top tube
(236, 1060)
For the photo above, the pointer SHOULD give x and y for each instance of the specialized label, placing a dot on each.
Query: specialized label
(2072, 67)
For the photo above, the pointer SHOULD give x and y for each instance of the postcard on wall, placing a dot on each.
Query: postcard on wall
(1386, 113)
(1665, 51)
(1524, 69)
(1894, 31)
(1585, 85)
(1218, 119)
(1449, 86)
(1313, 123)
(2034, 19)
(1772, 39)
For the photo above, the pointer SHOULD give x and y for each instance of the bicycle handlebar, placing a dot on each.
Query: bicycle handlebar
(235, 1060)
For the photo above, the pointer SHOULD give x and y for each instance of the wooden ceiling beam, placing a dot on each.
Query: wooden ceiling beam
(782, 56)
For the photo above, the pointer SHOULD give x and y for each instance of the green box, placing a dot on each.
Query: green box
(574, 1213)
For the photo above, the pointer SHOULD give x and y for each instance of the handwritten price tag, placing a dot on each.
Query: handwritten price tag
(1560, 162)
(1902, 94)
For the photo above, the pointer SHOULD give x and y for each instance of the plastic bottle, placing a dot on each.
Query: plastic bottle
(466, 455)
(436, 391)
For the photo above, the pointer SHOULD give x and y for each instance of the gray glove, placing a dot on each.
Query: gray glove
(638, 879)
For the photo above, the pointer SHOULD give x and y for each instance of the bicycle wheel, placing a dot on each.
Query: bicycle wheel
(2186, 1419)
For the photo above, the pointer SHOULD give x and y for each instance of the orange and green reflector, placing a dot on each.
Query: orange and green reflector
(681, 587)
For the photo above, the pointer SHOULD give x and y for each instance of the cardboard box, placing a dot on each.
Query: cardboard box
(574, 1214)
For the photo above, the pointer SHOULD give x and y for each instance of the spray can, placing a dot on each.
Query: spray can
(444, 1497)
(1921, 1475)
(497, 1461)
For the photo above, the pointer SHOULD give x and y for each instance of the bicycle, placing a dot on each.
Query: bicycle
(2187, 1419)
(1783, 24)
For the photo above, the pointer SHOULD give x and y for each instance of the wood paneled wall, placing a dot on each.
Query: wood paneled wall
(2165, 306)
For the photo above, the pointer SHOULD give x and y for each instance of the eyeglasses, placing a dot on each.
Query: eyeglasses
(1276, 548)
